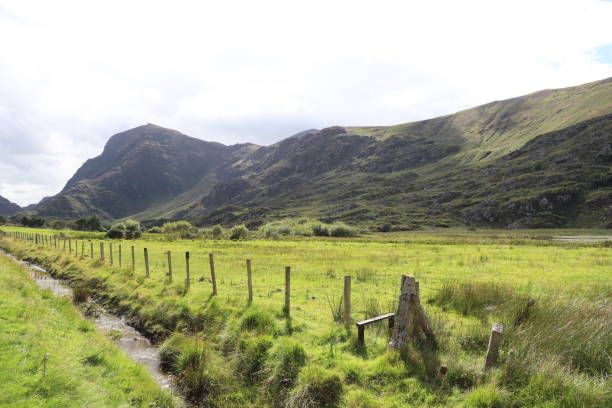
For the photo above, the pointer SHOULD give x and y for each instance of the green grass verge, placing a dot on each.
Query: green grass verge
(51, 357)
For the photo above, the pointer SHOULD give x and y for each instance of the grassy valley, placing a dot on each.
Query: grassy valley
(227, 351)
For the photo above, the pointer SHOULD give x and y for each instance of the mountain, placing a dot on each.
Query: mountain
(543, 159)
(7, 207)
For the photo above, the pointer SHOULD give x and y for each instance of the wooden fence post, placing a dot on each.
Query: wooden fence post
(120, 256)
(110, 250)
(187, 278)
(64, 249)
(347, 302)
(91, 254)
(249, 280)
(213, 277)
(497, 332)
(70, 246)
(287, 291)
(410, 315)
(146, 258)
(102, 251)
(82, 249)
(133, 260)
(169, 266)
(76, 247)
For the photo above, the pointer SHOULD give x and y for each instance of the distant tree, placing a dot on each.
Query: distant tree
(217, 232)
(179, 229)
(91, 223)
(128, 229)
(36, 222)
(239, 232)
(2, 220)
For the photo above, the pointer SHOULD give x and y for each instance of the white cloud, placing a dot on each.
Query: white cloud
(72, 73)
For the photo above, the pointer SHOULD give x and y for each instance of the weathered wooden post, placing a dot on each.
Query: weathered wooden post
(213, 277)
(70, 246)
(347, 302)
(110, 250)
(76, 247)
(169, 266)
(287, 291)
(120, 256)
(91, 254)
(64, 249)
(102, 251)
(82, 249)
(187, 278)
(146, 258)
(497, 332)
(133, 260)
(249, 280)
(410, 315)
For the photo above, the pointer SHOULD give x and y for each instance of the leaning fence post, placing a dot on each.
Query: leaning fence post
(213, 277)
(347, 302)
(287, 291)
(497, 331)
(187, 279)
(146, 257)
(249, 280)
(169, 266)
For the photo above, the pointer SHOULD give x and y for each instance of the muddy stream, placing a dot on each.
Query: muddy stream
(131, 341)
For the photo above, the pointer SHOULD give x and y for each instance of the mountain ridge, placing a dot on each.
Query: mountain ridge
(372, 175)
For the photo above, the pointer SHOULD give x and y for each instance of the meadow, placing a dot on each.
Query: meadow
(227, 351)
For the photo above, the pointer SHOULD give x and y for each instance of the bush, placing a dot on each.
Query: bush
(154, 230)
(116, 232)
(217, 232)
(320, 230)
(339, 230)
(91, 223)
(132, 229)
(239, 232)
(179, 229)
(316, 387)
(2, 220)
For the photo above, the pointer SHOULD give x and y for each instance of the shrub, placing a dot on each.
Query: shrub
(91, 223)
(320, 230)
(340, 230)
(154, 230)
(239, 232)
(117, 231)
(132, 229)
(217, 232)
(316, 387)
(2, 220)
(179, 229)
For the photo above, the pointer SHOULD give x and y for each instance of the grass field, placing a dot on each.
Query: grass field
(559, 355)
(51, 357)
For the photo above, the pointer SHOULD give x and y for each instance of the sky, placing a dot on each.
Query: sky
(73, 73)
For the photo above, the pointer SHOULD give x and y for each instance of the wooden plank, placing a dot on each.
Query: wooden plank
(375, 319)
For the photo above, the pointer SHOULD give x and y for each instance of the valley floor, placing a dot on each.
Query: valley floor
(552, 297)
